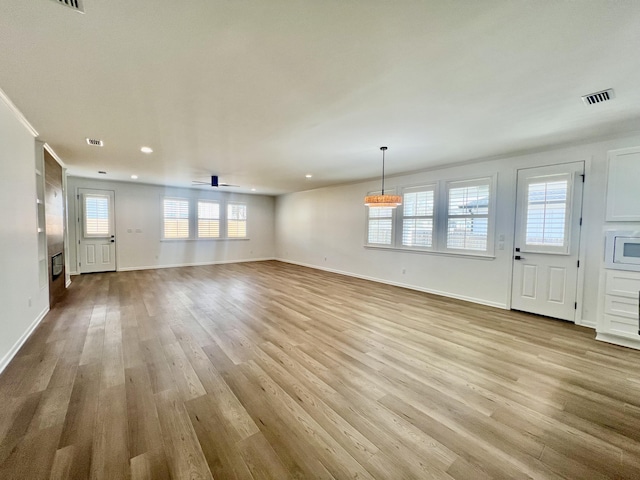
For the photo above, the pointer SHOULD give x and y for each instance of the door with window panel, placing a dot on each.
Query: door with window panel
(96, 239)
(547, 236)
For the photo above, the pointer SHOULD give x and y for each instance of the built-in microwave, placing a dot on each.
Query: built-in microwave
(622, 250)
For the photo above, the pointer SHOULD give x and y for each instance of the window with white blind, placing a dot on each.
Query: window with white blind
(380, 224)
(208, 219)
(547, 214)
(468, 214)
(96, 216)
(417, 216)
(175, 218)
(236, 220)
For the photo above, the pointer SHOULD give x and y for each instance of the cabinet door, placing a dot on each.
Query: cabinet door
(622, 185)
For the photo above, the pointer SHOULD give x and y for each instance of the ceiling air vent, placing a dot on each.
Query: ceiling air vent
(598, 97)
(73, 4)
(95, 142)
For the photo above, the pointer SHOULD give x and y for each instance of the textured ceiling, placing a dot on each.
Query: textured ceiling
(264, 92)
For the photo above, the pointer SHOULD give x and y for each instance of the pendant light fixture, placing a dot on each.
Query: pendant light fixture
(383, 200)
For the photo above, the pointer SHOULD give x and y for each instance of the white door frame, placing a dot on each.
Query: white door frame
(80, 225)
(586, 191)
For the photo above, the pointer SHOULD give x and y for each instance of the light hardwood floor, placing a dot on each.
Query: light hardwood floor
(268, 370)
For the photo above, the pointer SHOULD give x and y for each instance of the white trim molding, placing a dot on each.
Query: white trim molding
(18, 114)
(440, 293)
(21, 341)
(55, 156)
(617, 340)
(196, 264)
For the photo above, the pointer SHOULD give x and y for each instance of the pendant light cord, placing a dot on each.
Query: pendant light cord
(383, 150)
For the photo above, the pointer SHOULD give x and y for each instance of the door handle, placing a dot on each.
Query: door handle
(113, 241)
(518, 257)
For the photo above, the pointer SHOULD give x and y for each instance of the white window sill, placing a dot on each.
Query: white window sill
(449, 253)
(226, 239)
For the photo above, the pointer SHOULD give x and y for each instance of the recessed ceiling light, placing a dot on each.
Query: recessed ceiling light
(146, 150)
(135, 177)
(253, 189)
(308, 175)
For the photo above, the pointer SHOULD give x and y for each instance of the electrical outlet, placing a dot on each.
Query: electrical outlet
(30, 302)
(404, 270)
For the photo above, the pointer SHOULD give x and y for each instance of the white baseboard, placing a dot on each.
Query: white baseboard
(197, 264)
(25, 336)
(616, 340)
(403, 285)
(586, 323)
(67, 283)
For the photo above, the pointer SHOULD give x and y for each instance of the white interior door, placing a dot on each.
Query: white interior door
(96, 231)
(547, 240)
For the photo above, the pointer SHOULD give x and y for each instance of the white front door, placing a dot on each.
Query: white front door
(96, 232)
(547, 240)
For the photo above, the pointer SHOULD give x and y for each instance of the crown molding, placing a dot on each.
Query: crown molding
(55, 156)
(18, 114)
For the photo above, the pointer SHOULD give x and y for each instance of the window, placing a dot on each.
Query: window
(380, 223)
(96, 216)
(468, 214)
(417, 217)
(176, 218)
(547, 213)
(445, 216)
(236, 220)
(208, 219)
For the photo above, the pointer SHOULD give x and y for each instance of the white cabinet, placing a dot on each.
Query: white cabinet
(623, 197)
(619, 312)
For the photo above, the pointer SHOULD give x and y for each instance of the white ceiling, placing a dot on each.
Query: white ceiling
(263, 92)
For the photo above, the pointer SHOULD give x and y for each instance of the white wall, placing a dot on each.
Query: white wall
(138, 219)
(22, 302)
(324, 228)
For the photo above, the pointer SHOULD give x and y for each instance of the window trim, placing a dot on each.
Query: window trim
(228, 219)
(440, 219)
(491, 181)
(198, 218)
(84, 216)
(193, 219)
(392, 243)
(549, 249)
(164, 218)
(433, 187)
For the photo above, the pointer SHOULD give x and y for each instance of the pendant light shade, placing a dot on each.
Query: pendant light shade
(383, 200)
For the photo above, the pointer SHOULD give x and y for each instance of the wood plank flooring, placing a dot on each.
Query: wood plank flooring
(268, 370)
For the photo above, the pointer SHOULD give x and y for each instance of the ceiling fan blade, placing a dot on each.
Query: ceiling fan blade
(214, 182)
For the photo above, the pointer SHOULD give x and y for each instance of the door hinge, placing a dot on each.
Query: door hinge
(582, 175)
(578, 263)
(575, 306)
(78, 242)
(77, 197)
(580, 221)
